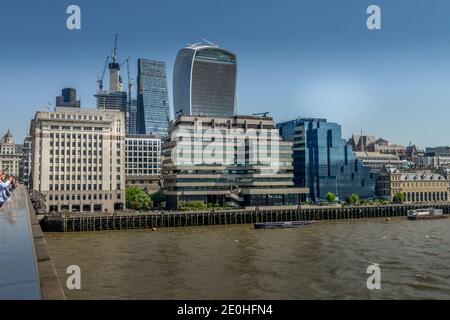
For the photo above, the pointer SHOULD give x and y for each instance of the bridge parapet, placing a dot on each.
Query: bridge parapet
(26, 269)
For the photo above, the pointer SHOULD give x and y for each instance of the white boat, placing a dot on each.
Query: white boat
(423, 214)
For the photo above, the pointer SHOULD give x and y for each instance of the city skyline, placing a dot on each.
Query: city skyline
(384, 82)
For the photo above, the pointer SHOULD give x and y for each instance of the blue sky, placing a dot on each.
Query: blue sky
(310, 58)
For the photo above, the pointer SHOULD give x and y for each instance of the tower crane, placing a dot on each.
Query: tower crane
(129, 80)
(100, 77)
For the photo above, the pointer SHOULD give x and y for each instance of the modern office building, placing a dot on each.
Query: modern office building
(204, 81)
(114, 101)
(437, 151)
(133, 117)
(416, 186)
(78, 159)
(143, 162)
(324, 162)
(239, 161)
(153, 113)
(10, 156)
(68, 98)
(376, 160)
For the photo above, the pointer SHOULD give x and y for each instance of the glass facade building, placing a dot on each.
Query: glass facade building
(239, 161)
(153, 112)
(114, 101)
(133, 117)
(324, 162)
(204, 82)
(68, 98)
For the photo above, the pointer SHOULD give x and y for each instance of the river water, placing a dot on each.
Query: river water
(326, 261)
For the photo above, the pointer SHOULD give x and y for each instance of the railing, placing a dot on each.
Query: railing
(26, 270)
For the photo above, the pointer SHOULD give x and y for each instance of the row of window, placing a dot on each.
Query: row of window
(142, 143)
(78, 160)
(426, 196)
(78, 169)
(135, 172)
(141, 165)
(75, 144)
(70, 116)
(142, 154)
(75, 136)
(75, 177)
(78, 152)
(79, 197)
(79, 187)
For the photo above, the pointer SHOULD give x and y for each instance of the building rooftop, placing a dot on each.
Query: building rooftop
(422, 176)
(367, 154)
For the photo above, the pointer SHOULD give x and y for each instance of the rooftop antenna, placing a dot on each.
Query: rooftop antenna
(209, 42)
(362, 141)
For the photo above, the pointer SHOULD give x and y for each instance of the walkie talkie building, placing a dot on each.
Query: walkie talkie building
(204, 81)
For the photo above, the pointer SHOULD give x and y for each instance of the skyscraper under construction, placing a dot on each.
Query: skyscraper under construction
(115, 98)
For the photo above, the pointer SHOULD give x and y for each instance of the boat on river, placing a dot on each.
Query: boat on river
(283, 224)
(426, 214)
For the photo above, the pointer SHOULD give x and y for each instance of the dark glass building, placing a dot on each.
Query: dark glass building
(114, 101)
(68, 98)
(133, 117)
(324, 162)
(153, 112)
(204, 81)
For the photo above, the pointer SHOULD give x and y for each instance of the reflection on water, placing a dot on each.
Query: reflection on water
(324, 261)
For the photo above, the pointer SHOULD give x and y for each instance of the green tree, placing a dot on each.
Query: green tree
(193, 206)
(399, 197)
(158, 198)
(353, 199)
(137, 199)
(331, 197)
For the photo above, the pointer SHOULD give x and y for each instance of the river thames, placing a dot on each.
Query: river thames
(326, 261)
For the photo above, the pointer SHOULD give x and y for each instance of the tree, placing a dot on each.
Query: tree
(331, 197)
(399, 197)
(353, 199)
(137, 199)
(158, 198)
(193, 206)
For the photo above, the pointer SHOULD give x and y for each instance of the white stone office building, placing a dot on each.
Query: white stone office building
(10, 157)
(78, 159)
(143, 161)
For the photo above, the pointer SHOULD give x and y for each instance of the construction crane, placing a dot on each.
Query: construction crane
(264, 114)
(100, 77)
(130, 82)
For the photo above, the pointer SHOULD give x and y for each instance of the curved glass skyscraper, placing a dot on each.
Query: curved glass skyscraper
(204, 81)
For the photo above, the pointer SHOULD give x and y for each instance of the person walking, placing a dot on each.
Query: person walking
(4, 188)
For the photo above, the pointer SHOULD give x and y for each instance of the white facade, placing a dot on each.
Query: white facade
(10, 159)
(78, 159)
